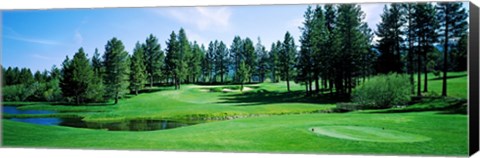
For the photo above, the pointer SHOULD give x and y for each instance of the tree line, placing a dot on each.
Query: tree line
(337, 49)
(336, 53)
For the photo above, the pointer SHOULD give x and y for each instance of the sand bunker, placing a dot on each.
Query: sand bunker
(371, 134)
(231, 90)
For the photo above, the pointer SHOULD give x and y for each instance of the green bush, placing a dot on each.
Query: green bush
(216, 89)
(18, 92)
(36, 91)
(383, 91)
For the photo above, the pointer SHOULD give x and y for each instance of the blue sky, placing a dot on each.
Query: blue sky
(38, 39)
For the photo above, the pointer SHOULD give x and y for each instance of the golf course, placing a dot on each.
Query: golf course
(302, 79)
(260, 119)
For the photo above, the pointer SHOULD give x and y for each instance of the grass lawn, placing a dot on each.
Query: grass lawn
(275, 121)
(289, 133)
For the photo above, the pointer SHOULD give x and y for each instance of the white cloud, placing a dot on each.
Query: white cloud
(78, 38)
(38, 56)
(33, 40)
(203, 18)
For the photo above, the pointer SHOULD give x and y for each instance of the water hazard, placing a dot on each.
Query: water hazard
(126, 125)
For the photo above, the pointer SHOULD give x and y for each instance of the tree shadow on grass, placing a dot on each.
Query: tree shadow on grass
(448, 77)
(262, 97)
(456, 106)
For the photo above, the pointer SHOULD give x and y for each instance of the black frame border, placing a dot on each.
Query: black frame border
(473, 66)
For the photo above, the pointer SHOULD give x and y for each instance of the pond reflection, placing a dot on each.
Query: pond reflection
(126, 125)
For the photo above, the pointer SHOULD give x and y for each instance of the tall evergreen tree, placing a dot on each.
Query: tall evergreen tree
(321, 57)
(330, 23)
(249, 56)
(153, 59)
(287, 58)
(262, 60)
(117, 69)
(137, 69)
(236, 55)
(176, 64)
(305, 61)
(274, 61)
(66, 79)
(426, 25)
(453, 19)
(197, 58)
(209, 62)
(77, 77)
(350, 43)
(96, 92)
(205, 64)
(391, 39)
(221, 60)
(184, 56)
(411, 39)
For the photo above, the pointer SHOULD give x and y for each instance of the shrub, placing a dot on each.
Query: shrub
(383, 91)
(216, 89)
(18, 92)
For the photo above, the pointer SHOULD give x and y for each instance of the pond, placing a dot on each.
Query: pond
(42, 121)
(127, 125)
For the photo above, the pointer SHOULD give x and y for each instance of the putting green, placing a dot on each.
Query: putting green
(371, 134)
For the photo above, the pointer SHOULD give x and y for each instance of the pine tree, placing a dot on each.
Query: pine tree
(319, 43)
(77, 77)
(287, 58)
(411, 38)
(96, 92)
(153, 59)
(197, 59)
(184, 56)
(273, 61)
(350, 43)
(66, 79)
(305, 61)
(453, 19)
(221, 60)
(330, 23)
(117, 69)
(236, 55)
(262, 60)
(137, 69)
(391, 34)
(426, 25)
(249, 56)
(206, 59)
(210, 62)
(175, 59)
